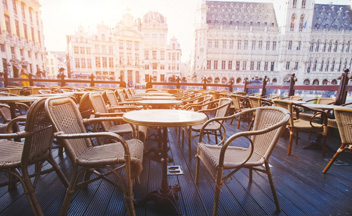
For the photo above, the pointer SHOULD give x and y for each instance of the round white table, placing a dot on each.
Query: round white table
(165, 195)
(157, 104)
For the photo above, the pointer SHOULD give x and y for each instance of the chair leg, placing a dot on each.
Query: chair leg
(239, 121)
(250, 174)
(30, 192)
(251, 124)
(69, 192)
(290, 143)
(218, 184)
(183, 138)
(58, 171)
(189, 143)
(276, 199)
(341, 149)
(197, 170)
(297, 137)
(323, 147)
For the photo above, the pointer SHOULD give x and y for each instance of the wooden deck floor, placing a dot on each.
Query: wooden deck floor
(302, 187)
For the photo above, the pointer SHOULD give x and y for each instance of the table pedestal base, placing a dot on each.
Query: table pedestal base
(163, 199)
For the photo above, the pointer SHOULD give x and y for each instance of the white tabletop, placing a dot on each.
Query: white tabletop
(321, 106)
(164, 117)
(159, 102)
(12, 99)
(158, 98)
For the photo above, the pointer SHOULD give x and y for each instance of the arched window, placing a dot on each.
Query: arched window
(330, 46)
(315, 65)
(238, 80)
(306, 82)
(325, 82)
(348, 47)
(324, 47)
(309, 66)
(301, 20)
(327, 66)
(334, 82)
(317, 47)
(343, 46)
(332, 66)
(294, 4)
(311, 46)
(293, 21)
(303, 3)
(274, 80)
(316, 82)
(336, 44)
(322, 65)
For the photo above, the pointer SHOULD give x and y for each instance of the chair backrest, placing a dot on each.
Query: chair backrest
(325, 100)
(65, 116)
(85, 106)
(255, 101)
(296, 98)
(121, 95)
(343, 117)
(288, 106)
(266, 117)
(37, 145)
(99, 106)
(223, 107)
(111, 97)
(127, 93)
(236, 102)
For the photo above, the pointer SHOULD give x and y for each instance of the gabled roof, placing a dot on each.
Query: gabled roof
(240, 14)
(332, 17)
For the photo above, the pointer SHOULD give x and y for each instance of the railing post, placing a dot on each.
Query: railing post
(122, 83)
(6, 78)
(291, 91)
(264, 86)
(245, 89)
(178, 82)
(230, 87)
(205, 83)
(91, 80)
(30, 77)
(150, 83)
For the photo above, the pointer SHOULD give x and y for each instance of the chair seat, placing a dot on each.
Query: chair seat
(10, 153)
(214, 126)
(234, 157)
(302, 124)
(114, 153)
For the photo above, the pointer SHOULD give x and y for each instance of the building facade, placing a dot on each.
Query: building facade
(135, 50)
(53, 62)
(238, 40)
(21, 37)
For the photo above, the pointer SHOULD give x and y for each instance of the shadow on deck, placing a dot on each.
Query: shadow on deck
(302, 187)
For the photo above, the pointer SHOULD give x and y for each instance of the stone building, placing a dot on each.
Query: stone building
(135, 49)
(21, 37)
(238, 40)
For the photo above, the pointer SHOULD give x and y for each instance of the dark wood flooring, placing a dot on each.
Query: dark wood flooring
(302, 187)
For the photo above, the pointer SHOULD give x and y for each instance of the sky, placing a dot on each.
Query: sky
(63, 17)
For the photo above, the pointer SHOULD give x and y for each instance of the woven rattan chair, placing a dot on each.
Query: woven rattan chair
(122, 128)
(268, 126)
(239, 104)
(92, 160)
(215, 128)
(297, 124)
(343, 117)
(115, 106)
(36, 149)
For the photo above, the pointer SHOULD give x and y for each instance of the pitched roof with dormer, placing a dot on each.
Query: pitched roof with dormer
(332, 17)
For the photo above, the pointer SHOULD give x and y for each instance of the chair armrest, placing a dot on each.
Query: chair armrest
(108, 114)
(15, 120)
(120, 119)
(316, 113)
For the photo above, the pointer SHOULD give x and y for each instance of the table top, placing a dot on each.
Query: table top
(158, 98)
(12, 99)
(158, 94)
(321, 106)
(296, 101)
(159, 102)
(164, 117)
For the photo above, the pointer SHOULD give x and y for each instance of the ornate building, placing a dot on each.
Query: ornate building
(21, 37)
(237, 40)
(135, 49)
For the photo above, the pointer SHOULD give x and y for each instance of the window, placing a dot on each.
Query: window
(231, 44)
(30, 15)
(296, 66)
(239, 44)
(146, 54)
(317, 47)
(129, 45)
(324, 47)
(7, 23)
(267, 45)
(330, 46)
(120, 44)
(244, 65)
(315, 65)
(224, 44)
(97, 62)
(253, 45)
(136, 45)
(17, 28)
(216, 43)
(251, 67)
(223, 65)
(301, 25)
(348, 47)
(258, 65)
(209, 43)
(274, 45)
(229, 65)
(111, 62)
(75, 50)
(215, 65)
(97, 48)
(293, 21)
(173, 56)
(237, 65)
(154, 55)
(14, 6)
(322, 65)
(303, 3)
(290, 45)
(245, 46)
(162, 67)
(332, 66)
(136, 58)
(327, 66)
(23, 10)
(336, 45)
(77, 62)
(39, 40)
(83, 63)
(343, 47)
(287, 65)
(294, 4)
(88, 50)
(162, 55)
(89, 63)
(266, 66)
(155, 66)
(208, 64)
(111, 50)
(299, 45)
(32, 31)
(146, 67)
(260, 45)
(311, 46)
(82, 50)
(4, 3)
(103, 49)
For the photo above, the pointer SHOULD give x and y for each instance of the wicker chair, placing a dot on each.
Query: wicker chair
(36, 149)
(223, 105)
(268, 125)
(88, 159)
(239, 104)
(297, 124)
(122, 128)
(343, 117)
(111, 98)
